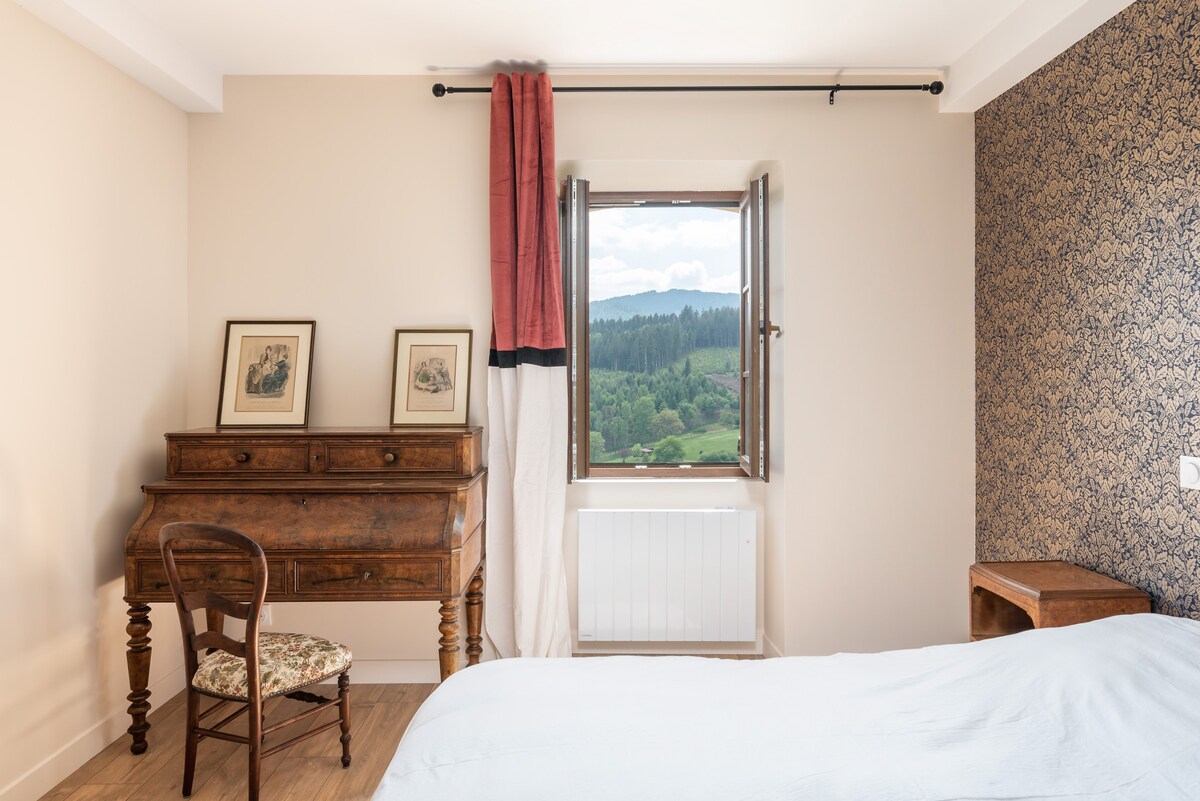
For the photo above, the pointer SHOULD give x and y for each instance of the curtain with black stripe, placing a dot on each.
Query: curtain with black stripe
(526, 608)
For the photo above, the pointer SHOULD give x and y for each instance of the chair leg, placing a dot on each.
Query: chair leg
(256, 737)
(191, 739)
(344, 709)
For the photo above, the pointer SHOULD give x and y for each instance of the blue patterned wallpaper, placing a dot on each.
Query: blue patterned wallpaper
(1088, 307)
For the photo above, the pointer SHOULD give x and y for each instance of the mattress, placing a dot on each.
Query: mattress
(1098, 711)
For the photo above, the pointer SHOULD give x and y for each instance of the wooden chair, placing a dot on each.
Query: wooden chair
(248, 672)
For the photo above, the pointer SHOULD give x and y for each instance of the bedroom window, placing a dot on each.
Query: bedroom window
(666, 311)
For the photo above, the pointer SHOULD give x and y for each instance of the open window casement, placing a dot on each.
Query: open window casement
(576, 203)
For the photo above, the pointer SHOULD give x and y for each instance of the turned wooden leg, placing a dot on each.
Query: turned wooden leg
(475, 617)
(344, 708)
(448, 653)
(138, 660)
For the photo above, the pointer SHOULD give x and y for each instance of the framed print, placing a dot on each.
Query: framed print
(265, 373)
(431, 377)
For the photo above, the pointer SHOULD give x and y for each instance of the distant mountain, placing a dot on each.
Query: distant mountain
(670, 302)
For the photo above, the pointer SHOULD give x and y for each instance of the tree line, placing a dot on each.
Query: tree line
(648, 343)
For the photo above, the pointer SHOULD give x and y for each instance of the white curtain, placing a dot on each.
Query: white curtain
(527, 611)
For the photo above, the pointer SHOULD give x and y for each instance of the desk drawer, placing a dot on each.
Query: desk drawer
(238, 458)
(368, 577)
(235, 578)
(392, 457)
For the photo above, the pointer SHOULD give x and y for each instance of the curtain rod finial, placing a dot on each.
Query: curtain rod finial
(439, 90)
(936, 88)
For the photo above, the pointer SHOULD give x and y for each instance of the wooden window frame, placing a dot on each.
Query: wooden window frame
(577, 202)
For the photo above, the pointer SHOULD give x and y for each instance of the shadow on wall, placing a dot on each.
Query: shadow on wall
(117, 497)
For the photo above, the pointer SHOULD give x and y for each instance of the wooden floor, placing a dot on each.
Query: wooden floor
(311, 770)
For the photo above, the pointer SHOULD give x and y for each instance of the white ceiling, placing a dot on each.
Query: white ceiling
(182, 48)
(381, 37)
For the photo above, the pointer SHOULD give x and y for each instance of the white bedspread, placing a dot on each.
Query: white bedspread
(1099, 711)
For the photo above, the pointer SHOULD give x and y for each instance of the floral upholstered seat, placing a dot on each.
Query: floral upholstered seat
(287, 662)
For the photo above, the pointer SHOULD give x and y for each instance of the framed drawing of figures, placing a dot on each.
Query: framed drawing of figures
(265, 373)
(431, 377)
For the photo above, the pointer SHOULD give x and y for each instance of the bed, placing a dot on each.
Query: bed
(1101, 711)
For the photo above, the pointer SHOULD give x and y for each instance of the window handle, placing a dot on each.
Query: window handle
(774, 330)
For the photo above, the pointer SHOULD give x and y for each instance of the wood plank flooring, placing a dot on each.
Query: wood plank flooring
(311, 770)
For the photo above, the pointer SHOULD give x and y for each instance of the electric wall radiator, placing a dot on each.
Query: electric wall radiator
(666, 576)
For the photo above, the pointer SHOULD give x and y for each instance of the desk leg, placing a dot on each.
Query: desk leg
(138, 659)
(448, 653)
(475, 617)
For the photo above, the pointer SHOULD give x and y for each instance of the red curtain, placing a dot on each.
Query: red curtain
(527, 308)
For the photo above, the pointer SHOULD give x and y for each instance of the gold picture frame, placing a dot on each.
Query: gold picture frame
(266, 372)
(431, 377)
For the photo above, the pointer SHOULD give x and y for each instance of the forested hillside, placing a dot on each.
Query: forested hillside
(659, 387)
(642, 344)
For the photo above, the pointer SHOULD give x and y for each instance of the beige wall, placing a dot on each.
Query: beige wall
(880, 364)
(93, 252)
(361, 203)
(869, 513)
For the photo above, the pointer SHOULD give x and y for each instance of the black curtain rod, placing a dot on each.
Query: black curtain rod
(935, 88)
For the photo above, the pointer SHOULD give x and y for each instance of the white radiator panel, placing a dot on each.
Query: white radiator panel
(667, 576)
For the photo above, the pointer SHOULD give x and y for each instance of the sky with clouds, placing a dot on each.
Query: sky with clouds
(638, 249)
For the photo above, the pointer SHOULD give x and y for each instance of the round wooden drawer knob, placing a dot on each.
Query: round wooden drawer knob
(242, 457)
(389, 457)
(366, 574)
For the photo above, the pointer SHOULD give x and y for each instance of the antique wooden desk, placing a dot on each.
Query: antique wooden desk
(1007, 597)
(347, 514)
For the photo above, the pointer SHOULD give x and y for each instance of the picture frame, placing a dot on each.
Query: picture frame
(431, 377)
(266, 373)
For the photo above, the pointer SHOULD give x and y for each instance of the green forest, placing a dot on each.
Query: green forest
(664, 387)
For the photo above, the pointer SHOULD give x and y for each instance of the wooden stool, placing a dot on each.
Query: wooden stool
(1007, 597)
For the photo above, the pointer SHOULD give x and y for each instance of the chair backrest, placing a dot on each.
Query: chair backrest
(170, 537)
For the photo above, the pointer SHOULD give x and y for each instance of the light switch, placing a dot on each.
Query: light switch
(1189, 472)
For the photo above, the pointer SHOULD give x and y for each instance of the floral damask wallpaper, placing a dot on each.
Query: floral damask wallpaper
(1088, 307)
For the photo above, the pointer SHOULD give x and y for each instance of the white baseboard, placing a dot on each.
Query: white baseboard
(665, 649)
(393, 671)
(769, 648)
(42, 777)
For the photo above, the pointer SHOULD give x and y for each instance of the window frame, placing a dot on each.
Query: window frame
(576, 203)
